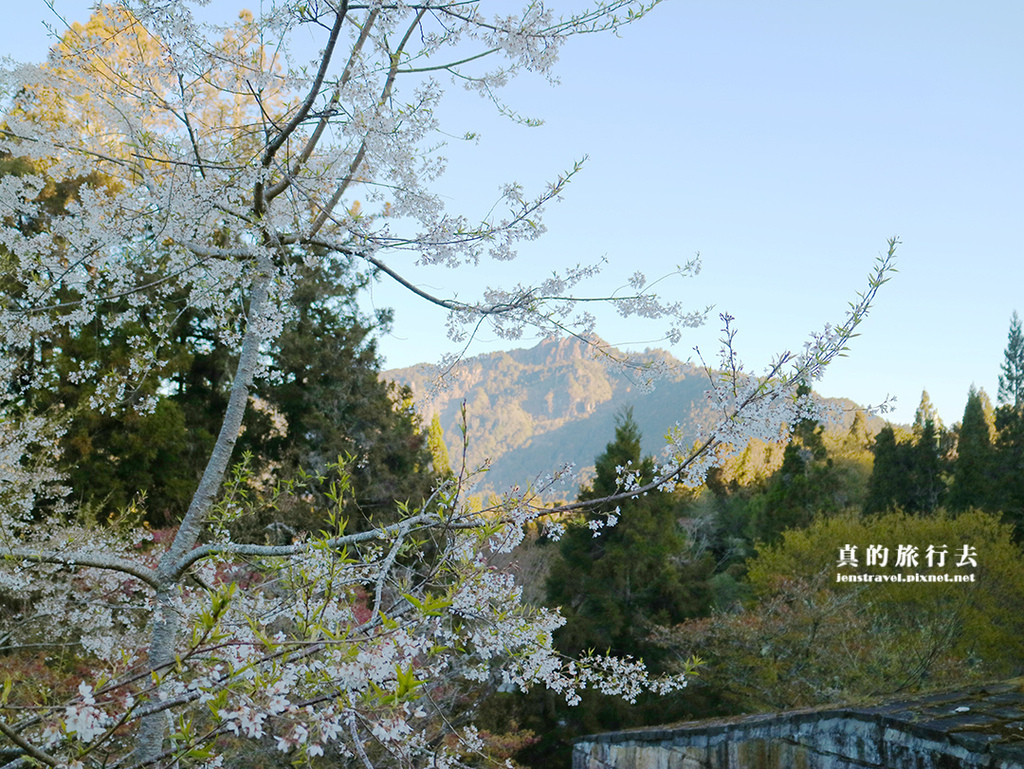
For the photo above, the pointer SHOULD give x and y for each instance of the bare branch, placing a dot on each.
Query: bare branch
(188, 126)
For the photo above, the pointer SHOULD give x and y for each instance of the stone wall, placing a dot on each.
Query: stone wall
(978, 728)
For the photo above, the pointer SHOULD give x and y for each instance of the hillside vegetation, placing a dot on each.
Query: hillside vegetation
(530, 412)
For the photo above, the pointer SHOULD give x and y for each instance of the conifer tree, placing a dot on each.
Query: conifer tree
(925, 485)
(972, 473)
(438, 448)
(612, 584)
(858, 437)
(805, 485)
(788, 502)
(1009, 465)
(907, 474)
(331, 402)
(926, 412)
(1011, 381)
(1008, 470)
(889, 476)
(927, 488)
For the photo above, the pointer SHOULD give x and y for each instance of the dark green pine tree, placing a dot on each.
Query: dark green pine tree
(1009, 421)
(787, 503)
(331, 402)
(806, 484)
(890, 475)
(907, 475)
(1011, 381)
(1009, 465)
(614, 586)
(926, 485)
(972, 470)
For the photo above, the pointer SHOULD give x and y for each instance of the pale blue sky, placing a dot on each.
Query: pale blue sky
(786, 142)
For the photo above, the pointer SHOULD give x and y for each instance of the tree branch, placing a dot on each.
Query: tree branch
(188, 126)
(259, 201)
(91, 560)
(448, 66)
(284, 551)
(328, 112)
(33, 751)
(325, 214)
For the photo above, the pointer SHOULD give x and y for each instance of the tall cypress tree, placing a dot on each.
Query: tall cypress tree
(972, 471)
(927, 488)
(1009, 455)
(613, 586)
(1009, 465)
(807, 484)
(926, 412)
(890, 476)
(1011, 381)
(906, 475)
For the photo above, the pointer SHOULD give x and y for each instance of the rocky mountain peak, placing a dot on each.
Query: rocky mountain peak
(554, 350)
(529, 412)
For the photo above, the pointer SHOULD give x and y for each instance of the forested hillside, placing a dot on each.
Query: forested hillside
(532, 411)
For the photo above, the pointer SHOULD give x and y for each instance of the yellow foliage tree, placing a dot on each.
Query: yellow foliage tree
(809, 639)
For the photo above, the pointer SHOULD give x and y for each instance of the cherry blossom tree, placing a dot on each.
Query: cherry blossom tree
(210, 163)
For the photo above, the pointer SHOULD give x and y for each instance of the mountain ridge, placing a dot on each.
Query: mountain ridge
(532, 411)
